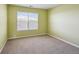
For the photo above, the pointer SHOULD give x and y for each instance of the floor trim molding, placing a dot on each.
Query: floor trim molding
(3, 46)
(57, 37)
(73, 44)
(27, 36)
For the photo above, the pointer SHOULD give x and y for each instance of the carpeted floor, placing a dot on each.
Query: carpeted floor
(38, 45)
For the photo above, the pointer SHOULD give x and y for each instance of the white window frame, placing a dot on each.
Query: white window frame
(28, 21)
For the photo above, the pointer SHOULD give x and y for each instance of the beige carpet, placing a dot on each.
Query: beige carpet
(38, 45)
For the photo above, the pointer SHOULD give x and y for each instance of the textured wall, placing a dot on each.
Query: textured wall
(12, 10)
(64, 22)
(3, 25)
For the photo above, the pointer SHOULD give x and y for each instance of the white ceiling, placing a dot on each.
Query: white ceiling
(41, 6)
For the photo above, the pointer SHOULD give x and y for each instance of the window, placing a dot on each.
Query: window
(33, 21)
(27, 21)
(22, 21)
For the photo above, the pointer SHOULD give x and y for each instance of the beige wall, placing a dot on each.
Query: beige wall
(12, 10)
(64, 22)
(3, 25)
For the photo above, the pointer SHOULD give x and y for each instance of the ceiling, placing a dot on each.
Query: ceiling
(41, 6)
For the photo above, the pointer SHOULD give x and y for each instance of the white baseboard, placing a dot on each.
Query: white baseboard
(1, 49)
(28, 36)
(73, 44)
(3, 46)
(21, 37)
